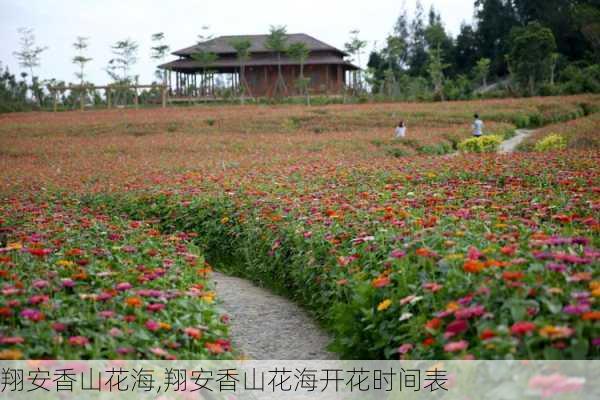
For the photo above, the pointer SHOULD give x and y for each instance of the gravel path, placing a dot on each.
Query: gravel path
(265, 326)
(508, 146)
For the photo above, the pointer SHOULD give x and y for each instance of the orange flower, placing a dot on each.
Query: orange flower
(591, 316)
(133, 301)
(10, 354)
(423, 252)
(381, 281)
(473, 266)
(433, 324)
(513, 275)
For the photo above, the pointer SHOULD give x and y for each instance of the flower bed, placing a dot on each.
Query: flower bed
(82, 285)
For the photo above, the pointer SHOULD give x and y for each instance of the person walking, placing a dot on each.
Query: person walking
(477, 126)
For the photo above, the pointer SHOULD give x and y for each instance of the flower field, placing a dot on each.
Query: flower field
(400, 249)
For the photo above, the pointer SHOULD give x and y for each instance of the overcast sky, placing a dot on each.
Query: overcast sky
(58, 22)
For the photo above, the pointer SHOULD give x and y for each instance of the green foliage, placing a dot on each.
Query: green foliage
(13, 93)
(531, 53)
(483, 144)
(551, 142)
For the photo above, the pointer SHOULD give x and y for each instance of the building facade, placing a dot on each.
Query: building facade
(326, 67)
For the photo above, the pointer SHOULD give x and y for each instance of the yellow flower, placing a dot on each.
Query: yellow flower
(208, 297)
(452, 306)
(595, 288)
(224, 220)
(165, 326)
(10, 354)
(14, 246)
(452, 257)
(65, 263)
(384, 305)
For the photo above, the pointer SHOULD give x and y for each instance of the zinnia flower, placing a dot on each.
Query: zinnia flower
(522, 328)
(453, 347)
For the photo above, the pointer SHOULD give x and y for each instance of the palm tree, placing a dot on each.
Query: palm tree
(277, 42)
(242, 48)
(300, 52)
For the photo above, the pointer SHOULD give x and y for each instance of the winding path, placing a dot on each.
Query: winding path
(510, 145)
(265, 326)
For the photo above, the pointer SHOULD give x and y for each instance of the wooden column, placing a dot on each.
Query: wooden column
(136, 100)
(108, 98)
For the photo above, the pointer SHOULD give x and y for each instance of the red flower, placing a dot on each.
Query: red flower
(522, 328)
(457, 327)
(487, 334)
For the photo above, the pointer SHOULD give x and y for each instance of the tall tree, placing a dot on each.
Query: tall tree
(81, 45)
(29, 58)
(466, 51)
(482, 70)
(355, 47)
(206, 59)
(242, 48)
(277, 43)
(531, 52)
(125, 57)
(300, 52)
(418, 44)
(436, 69)
(495, 19)
(158, 52)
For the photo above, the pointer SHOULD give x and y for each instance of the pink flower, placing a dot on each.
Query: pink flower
(155, 307)
(405, 348)
(114, 332)
(456, 328)
(432, 286)
(32, 314)
(58, 327)
(551, 385)
(79, 341)
(106, 314)
(123, 286)
(397, 254)
(152, 325)
(37, 299)
(453, 347)
(40, 284)
(124, 350)
(12, 340)
(67, 283)
(159, 352)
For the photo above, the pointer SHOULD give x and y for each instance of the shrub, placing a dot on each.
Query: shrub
(396, 152)
(551, 142)
(484, 144)
(521, 121)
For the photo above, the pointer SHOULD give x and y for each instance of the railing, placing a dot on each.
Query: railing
(114, 95)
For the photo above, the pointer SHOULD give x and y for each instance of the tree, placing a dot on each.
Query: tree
(242, 48)
(29, 58)
(436, 69)
(159, 52)
(277, 43)
(466, 50)
(531, 54)
(300, 52)
(81, 45)
(418, 43)
(355, 47)
(125, 52)
(495, 19)
(482, 70)
(205, 59)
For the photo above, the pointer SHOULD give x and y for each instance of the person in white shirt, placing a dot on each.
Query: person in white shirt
(477, 126)
(400, 130)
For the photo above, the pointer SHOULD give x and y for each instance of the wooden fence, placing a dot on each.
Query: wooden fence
(108, 90)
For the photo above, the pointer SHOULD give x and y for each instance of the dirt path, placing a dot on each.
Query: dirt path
(508, 146)
(265, 326)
